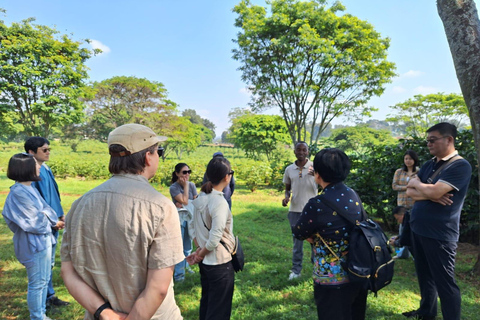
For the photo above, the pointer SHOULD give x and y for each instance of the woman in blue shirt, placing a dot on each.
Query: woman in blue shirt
(31, 220)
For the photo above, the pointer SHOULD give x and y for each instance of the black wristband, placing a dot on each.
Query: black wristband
(104, 306)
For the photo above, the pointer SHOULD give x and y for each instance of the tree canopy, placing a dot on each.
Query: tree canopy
(311, 63)
(119, 100)
(258, 134)
(209, 131)
(423, 111)
(41, 78)
(359, 139)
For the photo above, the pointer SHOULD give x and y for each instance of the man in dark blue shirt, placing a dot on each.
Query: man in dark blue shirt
(39, 147)
(435, 220)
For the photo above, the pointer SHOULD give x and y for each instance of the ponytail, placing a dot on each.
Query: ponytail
(207, 187)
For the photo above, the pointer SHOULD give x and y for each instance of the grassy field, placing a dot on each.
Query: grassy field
(262, 291)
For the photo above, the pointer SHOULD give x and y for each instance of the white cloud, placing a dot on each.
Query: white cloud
(245, 91)
(95, 44)
(398, 89)
(425, 90)
(413, 74)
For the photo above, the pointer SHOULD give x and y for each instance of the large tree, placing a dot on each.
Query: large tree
(360, 139)
(423, 111)
(209, 126)
(462, 28)
(311, 63)
(41, 77)
(258, 134)
(119, 100)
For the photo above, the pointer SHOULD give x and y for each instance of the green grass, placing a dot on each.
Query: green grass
(261, 290)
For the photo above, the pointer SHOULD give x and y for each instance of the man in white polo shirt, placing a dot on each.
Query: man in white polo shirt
(300, 185)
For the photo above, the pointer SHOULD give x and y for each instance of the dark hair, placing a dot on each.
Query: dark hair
(332, 164)
(133, 163)
(217, 169)
(445, 129)
(178, 167)
(22, 167)
(300, 142)
(399, 210)
(414, 157)
(33, 143)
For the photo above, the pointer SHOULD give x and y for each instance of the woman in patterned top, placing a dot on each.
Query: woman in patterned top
(335, 297)
(403, 175)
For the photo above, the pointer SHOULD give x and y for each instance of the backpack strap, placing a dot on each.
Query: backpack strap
(444, 166)
(341, 212)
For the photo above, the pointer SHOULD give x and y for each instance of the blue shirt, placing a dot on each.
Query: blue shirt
(318, 219)
(48, 189)
(433, 220)
(30, 218)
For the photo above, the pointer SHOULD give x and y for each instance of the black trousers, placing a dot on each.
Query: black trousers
(435, 265)
(217, 291)
(346, 302)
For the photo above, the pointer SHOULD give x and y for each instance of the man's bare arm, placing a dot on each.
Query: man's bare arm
(437, 192)
(148, 302)
(85, 295)
(288, 188)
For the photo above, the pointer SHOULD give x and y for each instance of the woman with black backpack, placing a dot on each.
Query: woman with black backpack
(335, 296)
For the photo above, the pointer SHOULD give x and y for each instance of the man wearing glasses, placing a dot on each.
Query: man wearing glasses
(122, 239)
(40, 149)
(439, 191)
(301, 186)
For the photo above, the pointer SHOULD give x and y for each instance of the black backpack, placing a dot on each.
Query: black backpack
(369, 259)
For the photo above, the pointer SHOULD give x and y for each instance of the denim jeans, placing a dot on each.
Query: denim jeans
(179, 273)
(217, 291)
(50, 290)
(38, 275)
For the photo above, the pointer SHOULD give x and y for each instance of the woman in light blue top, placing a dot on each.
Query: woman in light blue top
(31, 220)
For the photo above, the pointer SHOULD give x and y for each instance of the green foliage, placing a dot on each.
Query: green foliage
(360, 138)
(373, 170)
(423, 111)
(41, 78)
(120, 100)
(310, 62)
(258, 134)
(208, 126)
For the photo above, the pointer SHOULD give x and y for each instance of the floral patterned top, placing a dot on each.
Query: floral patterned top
(319, 221)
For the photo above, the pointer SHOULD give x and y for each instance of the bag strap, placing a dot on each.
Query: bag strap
(326, 245)
(444, 166)
(221, 241)
(339, 210)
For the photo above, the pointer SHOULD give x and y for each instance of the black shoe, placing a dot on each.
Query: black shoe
(411, 314)
(54, 301)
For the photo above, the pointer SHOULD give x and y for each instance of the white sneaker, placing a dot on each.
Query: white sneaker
(293, 275)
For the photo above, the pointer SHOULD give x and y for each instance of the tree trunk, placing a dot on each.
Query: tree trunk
(462, 28)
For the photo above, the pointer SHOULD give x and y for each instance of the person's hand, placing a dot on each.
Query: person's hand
(60, 225)
(178, 205)
(445, 200)
(392, 240)
(109, 314)
(311, 171)
(413, 182)
(310, 240)
(285, 201)
(183, 180)
(191, 259)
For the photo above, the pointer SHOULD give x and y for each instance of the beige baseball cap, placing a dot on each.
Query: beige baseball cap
(133, 137)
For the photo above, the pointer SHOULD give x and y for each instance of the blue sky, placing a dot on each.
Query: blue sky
(187, 46)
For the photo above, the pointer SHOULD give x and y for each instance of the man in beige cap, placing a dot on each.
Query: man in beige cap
(122, 239)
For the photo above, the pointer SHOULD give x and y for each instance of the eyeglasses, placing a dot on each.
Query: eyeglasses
(187, 171)
(231, 172)
(433, 140)
(45, 150)
(160, 151)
